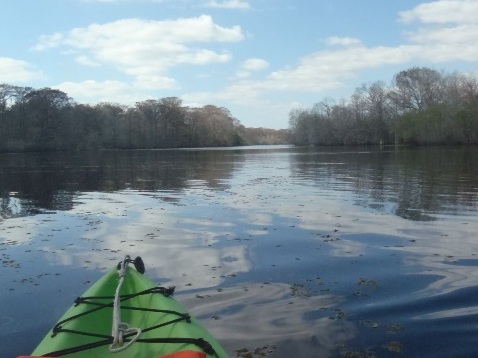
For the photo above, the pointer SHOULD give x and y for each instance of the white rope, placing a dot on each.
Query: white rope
(119, 328)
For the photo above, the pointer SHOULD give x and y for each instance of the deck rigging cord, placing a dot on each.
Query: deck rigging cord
(122, 335)
(120, 329)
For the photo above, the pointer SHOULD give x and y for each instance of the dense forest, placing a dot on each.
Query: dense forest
(48, 119)
(421, 107)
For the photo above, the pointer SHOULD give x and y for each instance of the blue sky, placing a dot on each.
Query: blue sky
(258, 58)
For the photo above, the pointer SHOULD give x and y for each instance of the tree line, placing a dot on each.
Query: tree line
(48, 119)
(422, 106)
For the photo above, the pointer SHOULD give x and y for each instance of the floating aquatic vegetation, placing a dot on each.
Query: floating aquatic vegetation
(360, 294)
(7, 261)
(395, 347)
(256, 353)
(339, 314)
(394, 328)
(299, 290)
(390, 329)
(363, 353)
(365, 282)
(330, 239)
(370, 323)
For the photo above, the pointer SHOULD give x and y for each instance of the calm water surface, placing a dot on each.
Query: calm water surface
(280, 252)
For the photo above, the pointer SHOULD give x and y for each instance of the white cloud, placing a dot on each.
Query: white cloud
(229, 4)
(13, 70)
(330, 69)
(92, 92)
(254, 64)
(450, 35)
(48, 41)
(450, 32)
(251, 65)
(438, 31)
(326, 70)
(342, 41)
(151, 82)
(447, 43)
(145, 48)
(113, 1)
(443, 12)
(316, 72)
(85, 60)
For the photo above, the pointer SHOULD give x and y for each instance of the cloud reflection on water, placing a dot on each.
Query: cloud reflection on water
(255, 315)
(111, 225)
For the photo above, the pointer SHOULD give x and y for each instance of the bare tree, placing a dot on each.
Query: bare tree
(417, 88)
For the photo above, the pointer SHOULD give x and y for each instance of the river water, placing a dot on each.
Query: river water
(279, 251)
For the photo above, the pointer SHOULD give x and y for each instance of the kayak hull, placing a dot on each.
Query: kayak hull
(89, 322)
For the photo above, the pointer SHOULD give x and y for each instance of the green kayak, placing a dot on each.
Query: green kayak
(124, 314)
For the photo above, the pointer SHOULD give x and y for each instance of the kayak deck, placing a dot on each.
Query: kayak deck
(163, 325)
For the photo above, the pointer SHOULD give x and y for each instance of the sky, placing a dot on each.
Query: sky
(260, 59)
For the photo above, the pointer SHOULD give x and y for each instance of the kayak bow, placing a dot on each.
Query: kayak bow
(124, 314)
